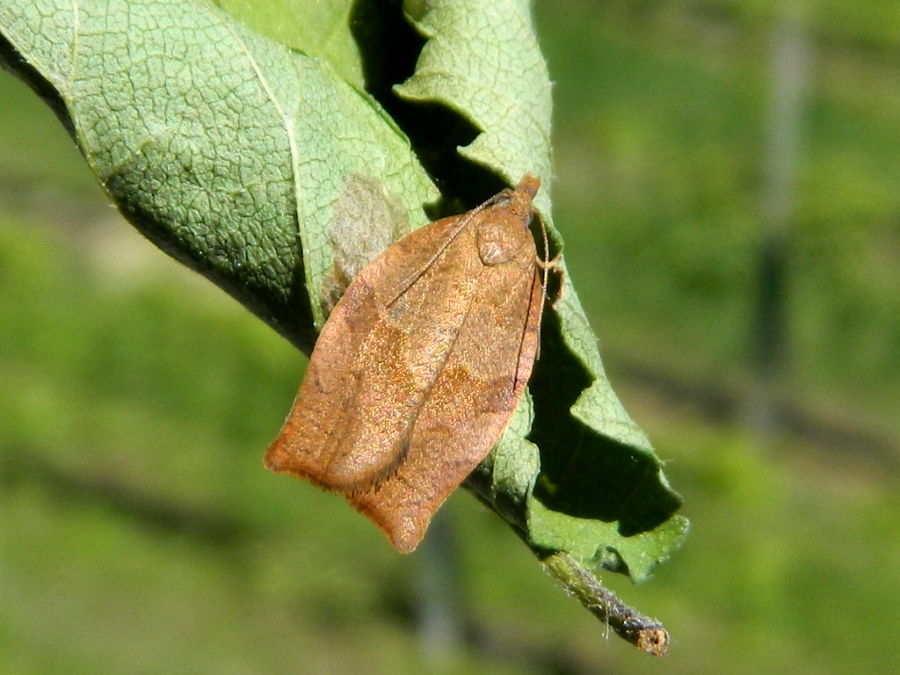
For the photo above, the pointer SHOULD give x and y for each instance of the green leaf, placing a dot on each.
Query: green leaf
(599, 544)
(220, 145)
(229, 150)
(482, 60)
(319, 28)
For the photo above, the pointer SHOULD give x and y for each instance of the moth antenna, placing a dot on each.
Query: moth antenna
(547, 262)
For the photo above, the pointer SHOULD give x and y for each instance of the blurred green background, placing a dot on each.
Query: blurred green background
(758, 345)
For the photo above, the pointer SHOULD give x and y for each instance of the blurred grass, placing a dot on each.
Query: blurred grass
(139, 532)
(659, 119)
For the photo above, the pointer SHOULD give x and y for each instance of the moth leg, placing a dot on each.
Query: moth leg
(553, 265)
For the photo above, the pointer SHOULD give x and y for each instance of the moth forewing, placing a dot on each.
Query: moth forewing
(420, 366)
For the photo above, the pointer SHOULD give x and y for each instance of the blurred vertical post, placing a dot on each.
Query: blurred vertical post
(789, 64)
(437, 597)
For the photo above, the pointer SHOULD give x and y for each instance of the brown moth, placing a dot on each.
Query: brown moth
(420, 366)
